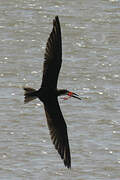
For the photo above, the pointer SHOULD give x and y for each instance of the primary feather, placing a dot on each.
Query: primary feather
(53, 57)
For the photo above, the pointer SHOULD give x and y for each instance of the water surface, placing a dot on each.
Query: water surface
(91, 68)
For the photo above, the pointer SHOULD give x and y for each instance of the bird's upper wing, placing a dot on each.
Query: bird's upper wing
(58, 131)
(53, 57)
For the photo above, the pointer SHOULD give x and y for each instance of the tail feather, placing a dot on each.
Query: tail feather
(29, 94)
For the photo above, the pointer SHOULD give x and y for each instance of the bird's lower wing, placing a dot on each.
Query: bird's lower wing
(58, 131)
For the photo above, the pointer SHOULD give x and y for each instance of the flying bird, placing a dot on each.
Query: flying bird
(48, 93)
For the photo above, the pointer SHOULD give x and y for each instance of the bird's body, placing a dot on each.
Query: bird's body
(48, 93)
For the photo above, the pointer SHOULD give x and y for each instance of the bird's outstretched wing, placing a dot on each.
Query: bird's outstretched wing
(58, 131)
(53, 57)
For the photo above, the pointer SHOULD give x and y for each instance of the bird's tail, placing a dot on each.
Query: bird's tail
(29, 94)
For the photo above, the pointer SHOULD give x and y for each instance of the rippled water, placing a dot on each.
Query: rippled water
(91, 68)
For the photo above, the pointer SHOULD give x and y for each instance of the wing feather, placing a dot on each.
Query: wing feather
(58, 130)
(53, 57)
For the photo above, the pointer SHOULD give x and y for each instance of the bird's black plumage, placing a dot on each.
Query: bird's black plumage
(53, 57)
(48, 93)
(58, 130)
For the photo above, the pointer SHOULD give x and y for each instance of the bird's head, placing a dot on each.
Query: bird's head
(69, 93)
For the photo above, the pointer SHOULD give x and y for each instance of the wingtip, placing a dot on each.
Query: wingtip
(67, 160)
(67, 165)
(56, 19)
